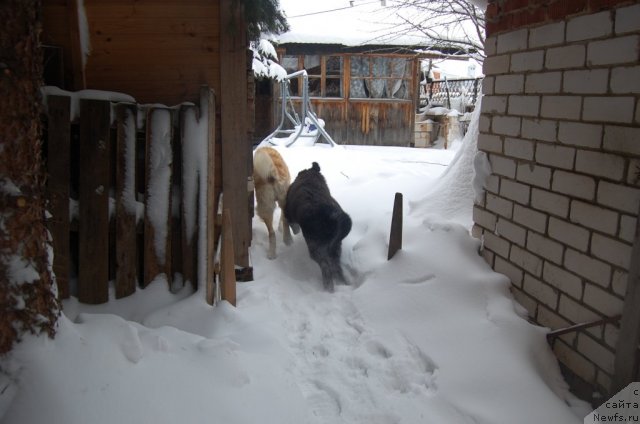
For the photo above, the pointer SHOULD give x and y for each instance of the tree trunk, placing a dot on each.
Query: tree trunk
(28, 302)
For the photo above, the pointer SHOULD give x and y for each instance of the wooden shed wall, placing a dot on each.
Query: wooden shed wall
(155, 50)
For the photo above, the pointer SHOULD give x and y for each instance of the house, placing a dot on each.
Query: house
(560, 125)
(164, 53)
(363, 83)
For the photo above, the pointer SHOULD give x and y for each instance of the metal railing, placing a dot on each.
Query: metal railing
(447, 93)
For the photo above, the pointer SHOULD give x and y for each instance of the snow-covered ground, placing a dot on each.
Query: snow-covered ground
(431, 336)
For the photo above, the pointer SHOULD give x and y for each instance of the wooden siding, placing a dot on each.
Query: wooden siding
(155, 50)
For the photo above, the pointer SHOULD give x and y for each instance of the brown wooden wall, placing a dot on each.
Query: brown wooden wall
(155, 50)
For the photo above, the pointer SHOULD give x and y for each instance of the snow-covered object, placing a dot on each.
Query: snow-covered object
(160, 160)
(265, 61)
(76, 96)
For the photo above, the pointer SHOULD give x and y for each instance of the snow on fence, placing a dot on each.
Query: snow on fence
(138, 175)
(460, 94)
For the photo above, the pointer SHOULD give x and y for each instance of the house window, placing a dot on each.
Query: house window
(325, 74)
(380, 77)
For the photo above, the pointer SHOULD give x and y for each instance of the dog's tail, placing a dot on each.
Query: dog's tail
(263, 166)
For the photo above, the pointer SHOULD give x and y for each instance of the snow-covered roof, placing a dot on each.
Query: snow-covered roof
(367, 22)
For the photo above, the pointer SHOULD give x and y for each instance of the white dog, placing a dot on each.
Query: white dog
(271, 178)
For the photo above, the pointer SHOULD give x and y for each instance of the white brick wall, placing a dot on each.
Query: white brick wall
(561, 125)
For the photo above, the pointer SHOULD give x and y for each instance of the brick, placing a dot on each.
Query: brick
(586, 81)
(611, 250)
(561, 107)
(525, 301)
(596, 352)
(608, 109)
(512, 232)
(540, 291)
(595, 217)
(496, 244)
(554, 155)
(622, 139)
(527, 261)
(638, 113)
(587, 267)
(575, 185)
(484, 218)
(569, 234)
(509, 84)
(503, 166)
(619, 282)
(627, 228)
(527, 62)
(550, 202)
(494, 104)
(566, 57)
(487, 84)
(506, 125)
(580, 134)
(611, 335)
(489, 143)
(512, 41)
(547, 35)
(530, 218)
(490, 46)
(574, 311)
(587, 27)
(545, 247)
(518, 148)
(515, 191)
(492, 184)
(628, 19)
(546, 82)
(600, 164)
(548, 318)
(575, 362)
(602, 301)
(619, 197)
(496, 65)
(524, 105)
(514, 273)
(499, 205)
(563, 280)
(484, 124)
(539, 129)
(536, 175)
(613, 51)
(625, 80)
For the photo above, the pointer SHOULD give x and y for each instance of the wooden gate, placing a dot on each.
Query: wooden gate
(125, 186)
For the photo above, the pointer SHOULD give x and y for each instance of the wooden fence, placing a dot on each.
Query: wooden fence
(127, 168)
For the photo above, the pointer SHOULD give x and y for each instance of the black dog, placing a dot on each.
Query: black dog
(324, 224)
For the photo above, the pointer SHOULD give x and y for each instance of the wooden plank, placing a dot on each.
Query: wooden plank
(236, 147)
(97, 8)
(157, 223)
(116, 43)
(188, 208)
(626, 366)
(207, 97)
(227, 266)
(79, 80)
(125, 237)
(93, 237)
(58, 168)
(395, 236)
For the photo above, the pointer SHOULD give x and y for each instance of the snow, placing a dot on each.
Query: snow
(432, 335)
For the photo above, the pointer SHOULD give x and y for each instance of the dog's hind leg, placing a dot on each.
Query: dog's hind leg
(266, 214)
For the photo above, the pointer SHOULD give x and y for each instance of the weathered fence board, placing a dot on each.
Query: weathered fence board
(93, 251)
(157, 238)
(58, 164)
(125, 243)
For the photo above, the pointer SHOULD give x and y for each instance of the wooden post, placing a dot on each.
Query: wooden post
(79, 77)
(626, 361)
(395, 236)
(236, 147)
(227, 265)
(93, 272)
(158, 144)
(58, 167)
(125, 190)
(208, 99)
